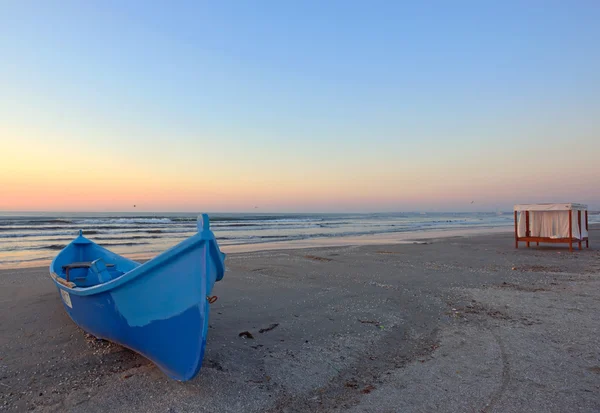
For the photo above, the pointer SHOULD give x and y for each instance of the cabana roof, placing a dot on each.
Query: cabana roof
(551, 207)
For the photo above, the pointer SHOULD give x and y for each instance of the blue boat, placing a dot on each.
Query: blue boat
(159, 309)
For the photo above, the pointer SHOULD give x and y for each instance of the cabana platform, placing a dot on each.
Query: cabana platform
(553, 223)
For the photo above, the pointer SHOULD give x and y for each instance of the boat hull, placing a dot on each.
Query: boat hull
(176, 344)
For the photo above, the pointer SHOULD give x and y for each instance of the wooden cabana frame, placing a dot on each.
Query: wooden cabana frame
(564, 238)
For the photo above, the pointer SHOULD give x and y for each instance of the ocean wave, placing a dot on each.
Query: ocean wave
(115, 231)
(58, 247)
(20, 260)
(124, 221)
(122, 244)
(110, 238)
(224, 224)
(87, 227)
(30, 228)
(34, 247)
(27, 235)
(266, 218)
(34, 222)
(130, 237)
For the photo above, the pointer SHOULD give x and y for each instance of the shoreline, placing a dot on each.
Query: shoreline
(389, 238)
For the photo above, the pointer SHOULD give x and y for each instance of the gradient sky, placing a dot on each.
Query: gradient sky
(298, 106)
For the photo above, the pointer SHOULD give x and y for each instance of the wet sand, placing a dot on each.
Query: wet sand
(461, 324)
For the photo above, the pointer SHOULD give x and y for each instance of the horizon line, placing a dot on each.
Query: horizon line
(252, 212)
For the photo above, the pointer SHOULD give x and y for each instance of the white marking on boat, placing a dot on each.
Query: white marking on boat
(66, 298)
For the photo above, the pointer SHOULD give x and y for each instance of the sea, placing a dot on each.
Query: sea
(32, 239)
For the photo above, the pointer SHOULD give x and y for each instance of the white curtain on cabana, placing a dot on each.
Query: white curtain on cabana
(552, 224)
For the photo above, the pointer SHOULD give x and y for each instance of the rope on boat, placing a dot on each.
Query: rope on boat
(212, 299)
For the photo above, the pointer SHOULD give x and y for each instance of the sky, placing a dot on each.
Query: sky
(342, 106)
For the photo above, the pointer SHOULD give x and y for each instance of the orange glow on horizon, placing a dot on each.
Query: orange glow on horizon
(66, 174)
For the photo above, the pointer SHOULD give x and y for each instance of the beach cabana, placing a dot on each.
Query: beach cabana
(555, 223)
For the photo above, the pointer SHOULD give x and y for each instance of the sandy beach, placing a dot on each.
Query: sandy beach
(458, 324)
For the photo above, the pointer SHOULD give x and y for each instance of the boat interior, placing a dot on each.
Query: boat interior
(86, 264)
